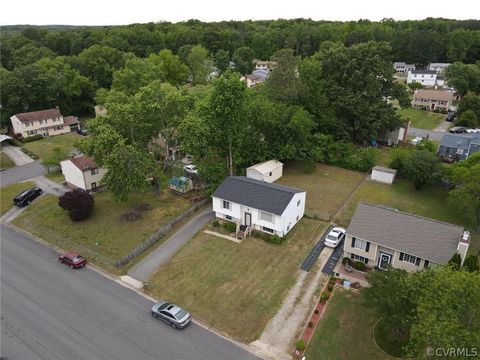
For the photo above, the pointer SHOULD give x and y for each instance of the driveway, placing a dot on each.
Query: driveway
(21, 173)
(333, 260)
(52, 312)
(16, 154)
(145, 268)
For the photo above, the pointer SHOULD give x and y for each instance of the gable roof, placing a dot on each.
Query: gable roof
(384, 169)
(265, 166)
(456, 141)
(84, 163)
(428, 239)
(39, 115)
(70, 120)
(272, 198)
(433, 95)
(423, 71)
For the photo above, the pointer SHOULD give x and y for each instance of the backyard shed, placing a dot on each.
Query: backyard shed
(383, 174)
(267, 171)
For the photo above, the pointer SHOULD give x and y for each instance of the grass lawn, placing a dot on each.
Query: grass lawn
(44, 147)
(7, 194)
(56, 176)
(422, 119)
(401, 195)
(236, 288)
(104, 236)
(391, 338)
(327, 187)
(5, 161)
(346, 330)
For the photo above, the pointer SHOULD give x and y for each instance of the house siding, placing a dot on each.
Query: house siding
(73, 175)
(277, 173)
(43, 127)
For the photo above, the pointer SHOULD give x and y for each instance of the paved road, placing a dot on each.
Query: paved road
(21, 173)
(434, 135)
(164, 252)
(49, 311)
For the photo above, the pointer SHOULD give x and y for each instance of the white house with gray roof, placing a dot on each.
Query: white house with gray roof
(258, 205)
(382, 237)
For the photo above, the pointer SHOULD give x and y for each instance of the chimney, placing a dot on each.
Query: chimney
(463, 245)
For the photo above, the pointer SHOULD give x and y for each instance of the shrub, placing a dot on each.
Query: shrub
(79, 204)
(316, 311)
(216, 223)
(31, 138)
(471, 263)
(274, 239)
(310, 324)
(468, 119)
(300, 345)
(29, 153)
(346, 260)
(332, 279)
(455, 261)
(330, 287)
(230, 226)
(324, 297)
(358, 265)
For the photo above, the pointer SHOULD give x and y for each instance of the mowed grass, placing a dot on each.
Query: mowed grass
(327, 187)
(346, 330)
(104, 234)
(5, 161)
(56, 176)
(236, 288)
(7, 194)
(429, 202)
(44, 148)
(422, 119)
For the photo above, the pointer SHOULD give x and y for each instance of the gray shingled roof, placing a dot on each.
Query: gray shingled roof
(272, 198)
(385, 169)
(428, 239)
(456, 141)
(422, 71)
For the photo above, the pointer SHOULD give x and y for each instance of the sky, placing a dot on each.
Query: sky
(121, 12)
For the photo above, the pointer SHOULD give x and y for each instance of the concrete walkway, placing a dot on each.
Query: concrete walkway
(145, 268)
(443, 126)
(17, 155)
(50, 187)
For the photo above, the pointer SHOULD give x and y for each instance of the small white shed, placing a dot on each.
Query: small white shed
(383, 174)
(267, 171)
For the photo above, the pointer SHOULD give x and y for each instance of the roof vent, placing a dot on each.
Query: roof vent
(465, 237)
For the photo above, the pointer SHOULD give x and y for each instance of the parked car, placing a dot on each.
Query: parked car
(334, 237)
(473, 131)
(173, 315)
(73, 260)
(82, 132)
(450, 116)
(458, 129)
(27, 196)
(416, 141)
(191, 169)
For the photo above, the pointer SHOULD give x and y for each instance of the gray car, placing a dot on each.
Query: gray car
(173, 315)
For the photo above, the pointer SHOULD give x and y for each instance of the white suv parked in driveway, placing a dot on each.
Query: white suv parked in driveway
(335, 237)
(191, 169)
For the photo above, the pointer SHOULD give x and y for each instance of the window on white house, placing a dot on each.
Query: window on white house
(226, 204)
(359, 258)
(94, 171)
(228, 217)
(267, 229)
(298, 217)
(288, 227)
(270, 174)
(299, 202)
(408, 258)
(360, 244)
(266, 216)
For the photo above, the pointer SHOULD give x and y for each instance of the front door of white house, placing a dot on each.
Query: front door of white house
(384, 260)
(248, 219)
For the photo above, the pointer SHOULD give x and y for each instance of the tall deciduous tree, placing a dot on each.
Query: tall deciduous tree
(199, 63)
(423, 168)
(464, 77)
(243, 59)
(283, 84)
(222, 60)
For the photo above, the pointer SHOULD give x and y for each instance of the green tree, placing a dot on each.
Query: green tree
(470, 101)
(415, 86)
(456, 261)
(464, 77)
(423, 168)
(199, 63)
(243, 59)
(466, 196)
(471, 263)
(467, 118)
(222, 60)
(283, 84)
(79, 204)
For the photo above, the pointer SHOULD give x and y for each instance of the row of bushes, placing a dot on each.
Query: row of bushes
(31, 138)
(232, 227)
(357, 265)
(29, 153)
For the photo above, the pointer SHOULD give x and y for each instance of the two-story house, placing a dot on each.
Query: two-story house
(400, 66)
(458, 147)
(432, 99)
(428, 78)
(382, 237)
(259, 205)
(265, 65)
(82, 172)
(44, 122)
(438, 67)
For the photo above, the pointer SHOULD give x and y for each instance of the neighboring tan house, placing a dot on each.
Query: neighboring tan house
(402, 67)
(432, 99)
(265, 65)
(458, 147)
(82, 172)
(382, 237)
(439, 68)
(268, 171)
(44, 122)
(73, 122)
(254, 204)
(252, 80)
(428, 78)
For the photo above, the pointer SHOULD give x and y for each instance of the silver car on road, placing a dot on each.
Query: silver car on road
(173, 315)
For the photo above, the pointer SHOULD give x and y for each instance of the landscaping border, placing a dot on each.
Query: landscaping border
(161, 232)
